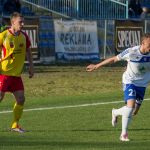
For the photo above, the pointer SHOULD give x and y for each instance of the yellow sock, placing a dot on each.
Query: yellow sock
(17, 110)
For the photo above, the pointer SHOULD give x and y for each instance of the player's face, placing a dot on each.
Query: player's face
(146, 45)
(18, 23)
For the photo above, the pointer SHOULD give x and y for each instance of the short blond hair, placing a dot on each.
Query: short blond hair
(145, 36)
(15, 15)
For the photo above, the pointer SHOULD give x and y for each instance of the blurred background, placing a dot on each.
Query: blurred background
(76, 31)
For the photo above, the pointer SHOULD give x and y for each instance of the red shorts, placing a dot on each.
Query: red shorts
(10, 83)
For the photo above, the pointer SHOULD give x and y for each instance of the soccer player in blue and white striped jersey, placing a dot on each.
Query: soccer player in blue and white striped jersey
(135, 80)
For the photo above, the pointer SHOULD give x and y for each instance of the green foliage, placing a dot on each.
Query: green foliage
(2, 28)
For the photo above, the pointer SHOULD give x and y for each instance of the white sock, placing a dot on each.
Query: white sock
(126, 113)
(126, 118)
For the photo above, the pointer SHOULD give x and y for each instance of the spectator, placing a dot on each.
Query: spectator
(11, 6)
(145, 13)
(135, 8)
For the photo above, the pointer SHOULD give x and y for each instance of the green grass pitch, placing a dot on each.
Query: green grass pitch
(73, 128)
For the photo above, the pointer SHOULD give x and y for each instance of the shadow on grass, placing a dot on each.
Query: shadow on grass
(88, 130)
(79, 130)
(27, 140)
(72, 144)
(144, 129)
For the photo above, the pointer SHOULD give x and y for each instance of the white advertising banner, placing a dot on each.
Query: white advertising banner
(76, 40)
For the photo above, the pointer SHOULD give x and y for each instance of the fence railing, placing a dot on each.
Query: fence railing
(84, 9)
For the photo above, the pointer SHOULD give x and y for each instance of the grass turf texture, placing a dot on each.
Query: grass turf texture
(80, 128)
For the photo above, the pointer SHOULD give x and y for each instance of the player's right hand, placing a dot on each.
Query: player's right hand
(91, 67)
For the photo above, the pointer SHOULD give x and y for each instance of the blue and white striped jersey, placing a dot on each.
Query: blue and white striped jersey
(138, 67)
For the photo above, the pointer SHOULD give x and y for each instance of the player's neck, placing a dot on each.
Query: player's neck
(143, 52)
(14, 31)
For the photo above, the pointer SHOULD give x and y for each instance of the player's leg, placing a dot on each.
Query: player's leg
(125, 111)
(18, 110)
(127, 96)
(18, 92)
(126, 118)
(133, 96)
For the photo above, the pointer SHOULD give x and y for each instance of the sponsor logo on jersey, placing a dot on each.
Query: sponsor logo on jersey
(21, 45)
(11, 44)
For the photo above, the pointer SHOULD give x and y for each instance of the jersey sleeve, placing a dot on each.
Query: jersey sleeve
(124, 55)
(28, 42)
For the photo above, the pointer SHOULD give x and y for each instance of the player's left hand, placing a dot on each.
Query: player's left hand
(31, 73)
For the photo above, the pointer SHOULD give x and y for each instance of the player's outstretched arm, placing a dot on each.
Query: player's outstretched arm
(111, 60)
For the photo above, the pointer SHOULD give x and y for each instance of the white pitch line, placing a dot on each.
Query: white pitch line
(69, 106)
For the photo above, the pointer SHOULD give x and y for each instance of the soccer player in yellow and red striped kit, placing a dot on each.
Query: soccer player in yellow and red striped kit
(14, 47)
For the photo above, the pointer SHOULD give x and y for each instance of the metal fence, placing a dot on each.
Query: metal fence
(84, 9)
